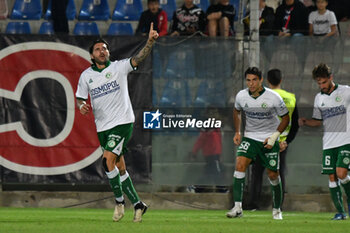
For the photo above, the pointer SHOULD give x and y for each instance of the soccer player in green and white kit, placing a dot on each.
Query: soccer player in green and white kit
(332, 109)
(106, 83)
(261, 106)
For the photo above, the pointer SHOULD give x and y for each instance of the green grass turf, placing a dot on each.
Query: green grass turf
(40, 220)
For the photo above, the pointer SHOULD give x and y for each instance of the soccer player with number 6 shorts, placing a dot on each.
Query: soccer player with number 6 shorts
(332, 109)
(262, 107)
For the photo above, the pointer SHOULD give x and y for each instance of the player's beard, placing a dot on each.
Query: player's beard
(100, 62)
(327, 89)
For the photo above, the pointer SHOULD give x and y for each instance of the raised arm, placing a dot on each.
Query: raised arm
(145, 51)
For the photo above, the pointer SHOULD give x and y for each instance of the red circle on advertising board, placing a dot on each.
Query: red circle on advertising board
(78, 146)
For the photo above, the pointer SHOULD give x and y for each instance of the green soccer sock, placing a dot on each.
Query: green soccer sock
(337, 198)
(238, 186)
(114, 182)
(128, 188)
(346, 187)
(277, 195)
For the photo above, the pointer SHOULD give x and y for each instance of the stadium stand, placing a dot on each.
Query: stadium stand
(176, 93)
(154, 97)
(127, 10)
(3, 9)
(120, 29)
(288, 60)
(316, 57)
(291, 65)
(169, 6)
(46, 28)
(344, 69)
(201, 97)
(216, 93)
(236, 3)
(180, 64)
(86, 28)
(18, 28)
(27, 9)
(210, 93)
(71, 10)
(157, 62)
(94, 10)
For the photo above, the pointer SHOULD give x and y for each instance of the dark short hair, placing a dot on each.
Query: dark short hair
(253, 70)
(274, 76)
(321, 71)
(149, 1)
(100, 40)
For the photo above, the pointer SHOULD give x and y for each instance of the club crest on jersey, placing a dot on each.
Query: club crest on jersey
(108, 75)
(272, 163)
(346, 160)
(90, 81)
(338, 98)
(264, 105)
(111, 143)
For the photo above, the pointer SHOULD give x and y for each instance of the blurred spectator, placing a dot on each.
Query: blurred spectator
(154, 15)
(322, 22)
(266, 19)
(310, 5)
(220, 16)
(187, 20)
(341, 9)
(209, 143)
(291, 18)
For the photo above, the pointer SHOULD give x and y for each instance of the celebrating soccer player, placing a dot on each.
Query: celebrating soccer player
(106, 83)
(332, 109)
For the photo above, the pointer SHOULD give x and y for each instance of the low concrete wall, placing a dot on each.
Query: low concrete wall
(161, 200)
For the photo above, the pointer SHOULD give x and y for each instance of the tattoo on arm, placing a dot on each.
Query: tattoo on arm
(145, 51)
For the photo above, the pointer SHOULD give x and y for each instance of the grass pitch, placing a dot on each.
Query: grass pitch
(40, 220)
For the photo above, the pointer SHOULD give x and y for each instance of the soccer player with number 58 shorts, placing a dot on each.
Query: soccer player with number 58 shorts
(106, 84)
(332, 109)
(262, 107)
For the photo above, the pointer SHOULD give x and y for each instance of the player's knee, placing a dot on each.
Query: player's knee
(275, 180)
(224, 20)
(342, 173)
(240, 166)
